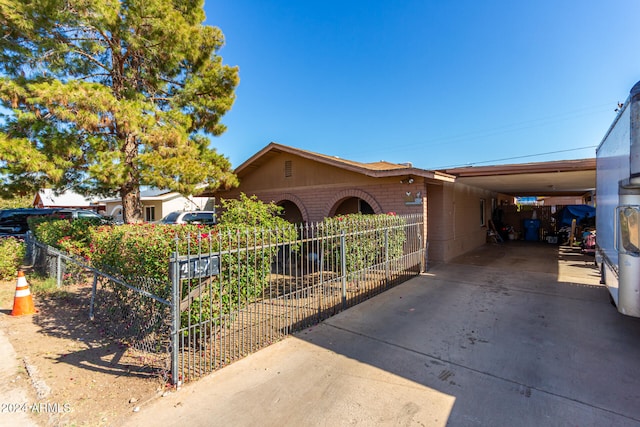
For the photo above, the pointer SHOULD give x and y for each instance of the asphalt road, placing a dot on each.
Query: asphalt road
(510, 335)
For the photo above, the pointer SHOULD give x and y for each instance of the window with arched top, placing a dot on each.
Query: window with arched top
(291, 212)
(353, 205)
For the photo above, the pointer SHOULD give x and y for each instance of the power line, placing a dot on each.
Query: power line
(513, 158)
(514, 127)
(476, 134)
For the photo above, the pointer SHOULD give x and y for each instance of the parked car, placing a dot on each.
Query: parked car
(13, 222)
(80, 213)
(190, 217)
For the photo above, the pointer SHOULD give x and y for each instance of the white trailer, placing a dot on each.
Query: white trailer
(618, 207)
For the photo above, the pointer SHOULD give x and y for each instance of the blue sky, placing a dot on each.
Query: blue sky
(436, 83)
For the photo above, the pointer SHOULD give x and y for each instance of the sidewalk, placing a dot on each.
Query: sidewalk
(14, 402)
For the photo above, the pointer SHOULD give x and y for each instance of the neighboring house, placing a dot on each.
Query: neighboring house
(311, 186)
(567, 200)
(47, 198)
(157, 203)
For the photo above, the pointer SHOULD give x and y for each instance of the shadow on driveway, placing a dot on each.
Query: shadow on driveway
(511, 334)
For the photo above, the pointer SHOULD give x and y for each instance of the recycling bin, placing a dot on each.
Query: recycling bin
(531, 229)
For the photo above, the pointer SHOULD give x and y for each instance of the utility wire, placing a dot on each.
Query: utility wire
(473, 135)
(513, 158)
(514, 127)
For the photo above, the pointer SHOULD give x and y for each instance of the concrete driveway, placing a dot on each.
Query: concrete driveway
(509, 335)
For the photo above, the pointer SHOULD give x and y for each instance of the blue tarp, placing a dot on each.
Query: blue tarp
(577, 212)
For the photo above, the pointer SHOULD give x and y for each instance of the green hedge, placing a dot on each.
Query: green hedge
(364, 239)
(72, 236)
(12, 253)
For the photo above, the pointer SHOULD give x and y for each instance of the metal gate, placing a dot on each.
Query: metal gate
(239, 292)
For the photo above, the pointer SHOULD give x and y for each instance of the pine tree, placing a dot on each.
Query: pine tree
(105, 96)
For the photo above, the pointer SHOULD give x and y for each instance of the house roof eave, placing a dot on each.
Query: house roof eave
(376, 171)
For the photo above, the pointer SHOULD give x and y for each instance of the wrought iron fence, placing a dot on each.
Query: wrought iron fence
(242, 291)
(232, 293)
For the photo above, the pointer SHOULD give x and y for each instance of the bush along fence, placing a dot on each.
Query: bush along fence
(193, 299)
(241, 291)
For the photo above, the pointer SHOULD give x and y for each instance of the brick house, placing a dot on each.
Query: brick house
(311, 186)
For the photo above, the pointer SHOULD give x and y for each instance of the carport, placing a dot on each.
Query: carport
(550, 179)
(512, 334)
(554, 185)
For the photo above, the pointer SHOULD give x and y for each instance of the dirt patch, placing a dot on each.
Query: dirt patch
(73, 374)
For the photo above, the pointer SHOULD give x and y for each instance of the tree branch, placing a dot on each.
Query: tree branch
(90, 76)
(90, 58)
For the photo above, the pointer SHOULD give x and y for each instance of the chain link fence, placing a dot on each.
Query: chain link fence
(127, 312)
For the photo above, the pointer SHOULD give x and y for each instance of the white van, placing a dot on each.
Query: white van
(190, 217)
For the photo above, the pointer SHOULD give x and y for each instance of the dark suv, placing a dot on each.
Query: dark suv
(13, 222)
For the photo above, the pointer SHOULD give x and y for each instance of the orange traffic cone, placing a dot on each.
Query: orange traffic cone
(22, 303)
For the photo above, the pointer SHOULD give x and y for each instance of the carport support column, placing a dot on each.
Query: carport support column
(424, 242)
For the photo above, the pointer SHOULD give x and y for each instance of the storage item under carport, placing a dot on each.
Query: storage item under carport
(531, 229)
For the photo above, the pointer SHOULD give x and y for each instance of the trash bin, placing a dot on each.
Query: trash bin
(531, 229)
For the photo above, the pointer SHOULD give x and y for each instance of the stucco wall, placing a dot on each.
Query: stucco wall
(170, 205)
(454, 219)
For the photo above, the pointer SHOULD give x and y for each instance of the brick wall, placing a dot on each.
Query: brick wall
(452, 211)
(316, 203)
